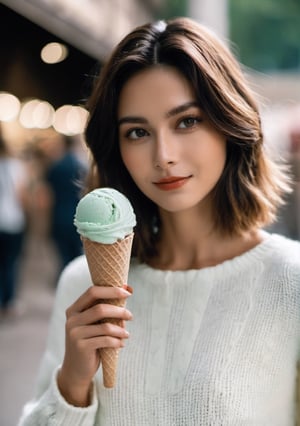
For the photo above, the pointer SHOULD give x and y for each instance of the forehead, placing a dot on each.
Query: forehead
(160, 87)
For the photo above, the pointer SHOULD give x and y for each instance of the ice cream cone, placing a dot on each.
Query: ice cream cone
(108, 265)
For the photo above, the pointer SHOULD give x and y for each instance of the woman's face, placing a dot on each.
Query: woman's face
(173, 153)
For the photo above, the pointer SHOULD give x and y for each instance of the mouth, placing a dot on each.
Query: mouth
(172, 182)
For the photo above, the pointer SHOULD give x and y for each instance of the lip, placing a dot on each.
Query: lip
(171, 182)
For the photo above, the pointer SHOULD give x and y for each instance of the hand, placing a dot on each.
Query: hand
(85, 336)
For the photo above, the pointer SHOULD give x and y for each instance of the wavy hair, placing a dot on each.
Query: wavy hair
(251, 186)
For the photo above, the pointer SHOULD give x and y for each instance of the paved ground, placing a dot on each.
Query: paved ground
(22, 339)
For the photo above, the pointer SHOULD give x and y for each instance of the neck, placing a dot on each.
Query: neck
(188, 242)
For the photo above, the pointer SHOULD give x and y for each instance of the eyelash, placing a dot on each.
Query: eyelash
(196, 120)
(130, 131)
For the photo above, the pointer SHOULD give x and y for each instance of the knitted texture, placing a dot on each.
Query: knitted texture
(212, 347)
(109, 265)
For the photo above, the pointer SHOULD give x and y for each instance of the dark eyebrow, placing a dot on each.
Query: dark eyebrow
(132, 119)
(182, 108)
(174, 111)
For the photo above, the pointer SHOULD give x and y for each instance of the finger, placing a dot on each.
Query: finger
(101, 342)
(95, 293)
(99, 312)
(103, 311)
(128, 288)
(103, 329)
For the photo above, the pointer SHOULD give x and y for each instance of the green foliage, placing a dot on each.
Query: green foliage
(266, 33)
(173, 8)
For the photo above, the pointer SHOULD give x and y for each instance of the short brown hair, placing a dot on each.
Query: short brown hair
(251, 186)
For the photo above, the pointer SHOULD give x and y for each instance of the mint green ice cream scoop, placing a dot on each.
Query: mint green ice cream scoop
(104, 215)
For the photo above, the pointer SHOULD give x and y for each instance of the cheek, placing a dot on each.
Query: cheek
(209, 156)
(131, 160)
(217, 152)
(220, 155)
(212, 162)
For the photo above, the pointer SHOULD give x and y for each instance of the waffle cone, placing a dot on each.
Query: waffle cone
(108, 265)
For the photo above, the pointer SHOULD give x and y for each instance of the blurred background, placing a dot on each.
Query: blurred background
(50, 51)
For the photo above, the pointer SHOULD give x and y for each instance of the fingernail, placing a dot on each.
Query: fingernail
(125, 292)
(128, 288)
(129, 315)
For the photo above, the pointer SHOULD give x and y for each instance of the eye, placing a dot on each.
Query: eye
(189, 122)
(136, 133)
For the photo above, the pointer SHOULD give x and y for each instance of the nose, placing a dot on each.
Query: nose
(166, 153)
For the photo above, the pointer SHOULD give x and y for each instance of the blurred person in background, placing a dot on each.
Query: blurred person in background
(295, 164)
(288, 222)
(63, 177)
(13, 200)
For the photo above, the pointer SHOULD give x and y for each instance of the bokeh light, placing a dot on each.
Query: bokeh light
(52, 53)
(36, 114)
(70, 120)
(9, 106)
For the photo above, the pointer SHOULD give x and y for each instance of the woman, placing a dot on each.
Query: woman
(214, 337)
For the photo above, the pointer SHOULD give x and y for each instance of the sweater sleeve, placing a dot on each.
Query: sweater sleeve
(52, 409)
(48, 406)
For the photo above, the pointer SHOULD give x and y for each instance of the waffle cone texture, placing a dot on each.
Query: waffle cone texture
(109, 265)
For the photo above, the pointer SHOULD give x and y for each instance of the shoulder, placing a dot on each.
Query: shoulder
(76, 272)
(74, 280)
(285, 249)
(283, 259)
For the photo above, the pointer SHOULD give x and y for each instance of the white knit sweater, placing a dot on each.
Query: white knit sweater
(215, 346)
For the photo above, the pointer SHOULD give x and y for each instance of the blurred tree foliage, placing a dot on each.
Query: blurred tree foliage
(266, 33)
(173, 8)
